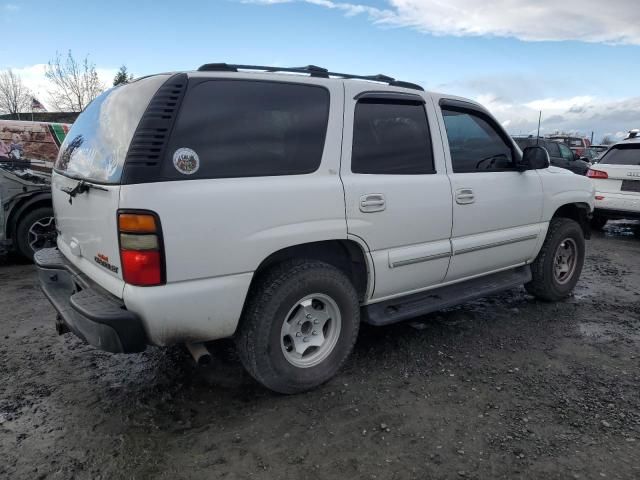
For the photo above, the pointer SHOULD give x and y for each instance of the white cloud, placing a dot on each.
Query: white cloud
(34, 78)
(580, 115)
(613, 21)
(10, 7)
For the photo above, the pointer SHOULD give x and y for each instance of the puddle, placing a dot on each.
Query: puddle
(622, 228)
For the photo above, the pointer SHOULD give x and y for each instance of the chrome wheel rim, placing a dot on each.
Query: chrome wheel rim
(565, 261)
(310, 330)
(42, 234)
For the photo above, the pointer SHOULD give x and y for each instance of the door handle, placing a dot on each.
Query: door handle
(465, 196)
(372, 202)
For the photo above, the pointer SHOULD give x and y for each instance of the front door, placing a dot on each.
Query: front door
(497, 209)
(397, 194)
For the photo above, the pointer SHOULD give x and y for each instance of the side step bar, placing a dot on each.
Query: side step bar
(398, 309)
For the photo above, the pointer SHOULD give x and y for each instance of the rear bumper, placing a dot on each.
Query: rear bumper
(620, 205)
(88, 311)
(616, 214)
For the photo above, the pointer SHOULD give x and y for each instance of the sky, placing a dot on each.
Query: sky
(576, 60)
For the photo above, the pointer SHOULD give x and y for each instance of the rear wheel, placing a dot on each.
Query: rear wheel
(557, 268)
(36, 230)
(299, 326)
(598, 222)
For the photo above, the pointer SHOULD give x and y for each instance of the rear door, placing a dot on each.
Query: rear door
(86, 180)
(497, 209)
(398, 196)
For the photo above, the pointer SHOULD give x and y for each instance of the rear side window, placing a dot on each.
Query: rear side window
(244, 128)
(475, 144)
(391, 137)
(622, 155)
(96, 146)
(566, 152)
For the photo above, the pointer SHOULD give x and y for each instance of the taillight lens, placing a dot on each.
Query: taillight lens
(597, 174)
(141, 251)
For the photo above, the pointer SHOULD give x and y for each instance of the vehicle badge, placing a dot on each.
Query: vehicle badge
(186, 161)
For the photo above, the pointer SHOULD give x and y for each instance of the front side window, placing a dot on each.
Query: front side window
(391, 137)
(249, 128)
(475, 144)
(553, 149)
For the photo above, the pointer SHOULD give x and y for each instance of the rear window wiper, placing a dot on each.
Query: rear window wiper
(80, 188)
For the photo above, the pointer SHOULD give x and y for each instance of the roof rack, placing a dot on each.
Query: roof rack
(311, 70)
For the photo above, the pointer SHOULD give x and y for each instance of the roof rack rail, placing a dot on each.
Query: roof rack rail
(311, 70)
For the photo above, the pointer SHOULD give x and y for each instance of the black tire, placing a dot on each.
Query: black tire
(598, 222)
(23, 240)
(259, 337)
(545, 285)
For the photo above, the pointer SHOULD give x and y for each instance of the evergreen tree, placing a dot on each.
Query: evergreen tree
(122, 77)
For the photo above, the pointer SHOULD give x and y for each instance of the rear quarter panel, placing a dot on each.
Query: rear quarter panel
(217, 227)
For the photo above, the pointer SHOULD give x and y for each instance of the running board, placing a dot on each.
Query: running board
(398, 309)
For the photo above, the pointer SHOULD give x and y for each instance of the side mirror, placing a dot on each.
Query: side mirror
(534, 158)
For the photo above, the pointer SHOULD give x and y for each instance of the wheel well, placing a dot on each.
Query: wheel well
(580, 212)
(21, 210)
(346, 255)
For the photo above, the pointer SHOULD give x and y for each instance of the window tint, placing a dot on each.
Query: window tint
(391, 137)
(475, 145)
(241, 128)
(553, 149)
(622, 155)
(566, 152)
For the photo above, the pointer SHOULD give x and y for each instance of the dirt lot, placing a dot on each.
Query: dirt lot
(506, 387)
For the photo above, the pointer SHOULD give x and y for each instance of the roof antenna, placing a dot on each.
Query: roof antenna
(538, 136)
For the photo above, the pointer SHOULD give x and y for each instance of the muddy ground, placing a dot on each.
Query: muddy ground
(507, 387)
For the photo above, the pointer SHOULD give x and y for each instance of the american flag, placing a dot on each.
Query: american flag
(36, 105)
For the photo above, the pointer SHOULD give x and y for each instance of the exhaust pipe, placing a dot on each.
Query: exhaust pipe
(199, 353)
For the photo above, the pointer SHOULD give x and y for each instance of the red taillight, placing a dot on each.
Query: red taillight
(141, 267)
(141, 252)
(597, 174)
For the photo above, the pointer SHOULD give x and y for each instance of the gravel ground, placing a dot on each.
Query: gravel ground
(506, 387)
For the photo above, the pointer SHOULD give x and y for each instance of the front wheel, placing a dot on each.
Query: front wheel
(557, 268)
(36, 230)
(299, 325)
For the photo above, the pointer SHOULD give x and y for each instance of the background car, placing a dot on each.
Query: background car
(575, 143)
(27, 153)
(559, 154)
(616, 178)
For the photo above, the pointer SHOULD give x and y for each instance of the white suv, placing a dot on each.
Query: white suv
(282, 207)
(616, 178)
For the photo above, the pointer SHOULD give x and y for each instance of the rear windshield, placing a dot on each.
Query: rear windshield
(97, 144)
(622, 155)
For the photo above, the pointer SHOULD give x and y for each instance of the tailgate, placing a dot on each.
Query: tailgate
(92, 157)
(87, 230)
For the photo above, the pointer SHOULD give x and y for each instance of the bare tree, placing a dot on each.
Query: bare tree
(607, 140)
(75, 83)
(14, 96)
